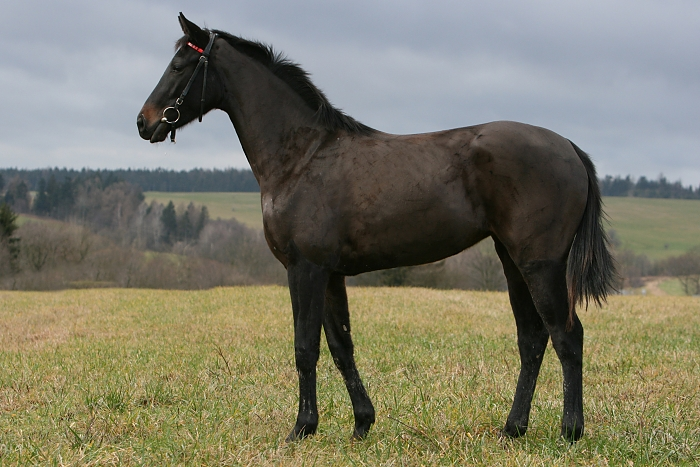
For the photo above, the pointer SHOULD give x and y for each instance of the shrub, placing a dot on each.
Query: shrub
(632, 268)
(59, 255)
(9, 244)
(232, 243)
(687, 268)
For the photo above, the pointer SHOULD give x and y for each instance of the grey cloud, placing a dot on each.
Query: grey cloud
(621, 78)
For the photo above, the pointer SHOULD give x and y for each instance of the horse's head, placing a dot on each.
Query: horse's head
(188, 88)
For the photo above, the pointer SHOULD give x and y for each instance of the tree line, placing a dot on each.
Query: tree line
(242, 180)
(646, 188)
(195, 180)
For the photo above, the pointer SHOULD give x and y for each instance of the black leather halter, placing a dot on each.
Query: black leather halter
(171, 115)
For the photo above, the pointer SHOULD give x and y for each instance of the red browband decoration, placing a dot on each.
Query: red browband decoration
(201, 51)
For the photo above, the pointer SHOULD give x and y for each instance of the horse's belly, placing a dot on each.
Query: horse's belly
(408, 234)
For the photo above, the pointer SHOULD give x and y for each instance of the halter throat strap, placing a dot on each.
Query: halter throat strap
(171, 114)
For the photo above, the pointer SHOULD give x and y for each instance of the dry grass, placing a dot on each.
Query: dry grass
(135, 377)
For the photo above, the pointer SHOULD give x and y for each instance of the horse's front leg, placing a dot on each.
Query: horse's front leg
(336, 324)
(307, 286)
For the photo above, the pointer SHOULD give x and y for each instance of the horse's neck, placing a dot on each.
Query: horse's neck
(275, 127)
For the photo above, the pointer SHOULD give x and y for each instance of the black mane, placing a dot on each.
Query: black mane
(291, 73)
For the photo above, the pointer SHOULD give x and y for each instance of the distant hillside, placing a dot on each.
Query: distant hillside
(657, 228)
(195, 180)
(244, 207)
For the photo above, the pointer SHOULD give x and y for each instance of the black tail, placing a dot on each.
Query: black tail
(590, 270)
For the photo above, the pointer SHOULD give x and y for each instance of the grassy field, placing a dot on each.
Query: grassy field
(136, 377)
(244, 207)
(655, 227)
(672, 287)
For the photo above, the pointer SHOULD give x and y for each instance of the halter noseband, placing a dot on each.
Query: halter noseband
(171, 114)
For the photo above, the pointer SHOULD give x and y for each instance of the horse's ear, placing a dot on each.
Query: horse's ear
(193, 32)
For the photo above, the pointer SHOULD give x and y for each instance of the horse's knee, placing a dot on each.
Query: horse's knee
(306, 359)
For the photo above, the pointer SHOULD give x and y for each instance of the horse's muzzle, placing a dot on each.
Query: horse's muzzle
(155, 133)
(141, 125)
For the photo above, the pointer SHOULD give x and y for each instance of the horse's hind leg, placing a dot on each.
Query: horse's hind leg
(532, 342)
(547, 284)
(336, 324)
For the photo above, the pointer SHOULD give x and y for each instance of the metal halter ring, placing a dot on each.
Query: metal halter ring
(170, 115)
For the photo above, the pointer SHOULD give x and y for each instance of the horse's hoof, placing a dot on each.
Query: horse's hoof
(360, 433)
(572, 433)
(299, 433)
(511, 430)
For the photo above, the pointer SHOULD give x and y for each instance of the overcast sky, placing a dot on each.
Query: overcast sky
(619, 78)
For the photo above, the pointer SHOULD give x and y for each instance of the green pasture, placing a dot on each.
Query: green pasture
(145, 377)
(657, 228)
(244, 207)
(672, 287)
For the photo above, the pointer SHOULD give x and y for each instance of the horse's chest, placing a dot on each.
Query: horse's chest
(285, 219)
(273, 213)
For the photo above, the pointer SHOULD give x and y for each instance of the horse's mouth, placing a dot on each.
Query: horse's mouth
(153, 133)
(160, 133)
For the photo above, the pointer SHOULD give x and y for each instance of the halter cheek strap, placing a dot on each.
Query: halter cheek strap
(171, 114)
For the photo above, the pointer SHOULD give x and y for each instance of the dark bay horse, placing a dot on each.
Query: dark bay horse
(339, 199)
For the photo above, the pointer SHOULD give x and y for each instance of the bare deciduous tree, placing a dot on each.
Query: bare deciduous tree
(687, 268)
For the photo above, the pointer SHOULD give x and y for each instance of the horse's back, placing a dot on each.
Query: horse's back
(524, 184)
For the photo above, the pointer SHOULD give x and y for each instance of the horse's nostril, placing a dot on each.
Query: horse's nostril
(141, 122)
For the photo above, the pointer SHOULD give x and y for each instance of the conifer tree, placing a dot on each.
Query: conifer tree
(8, 226)
(169, 220)
(201, 222)
(41, 202)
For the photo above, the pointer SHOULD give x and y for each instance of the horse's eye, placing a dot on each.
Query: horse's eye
(177, 67)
